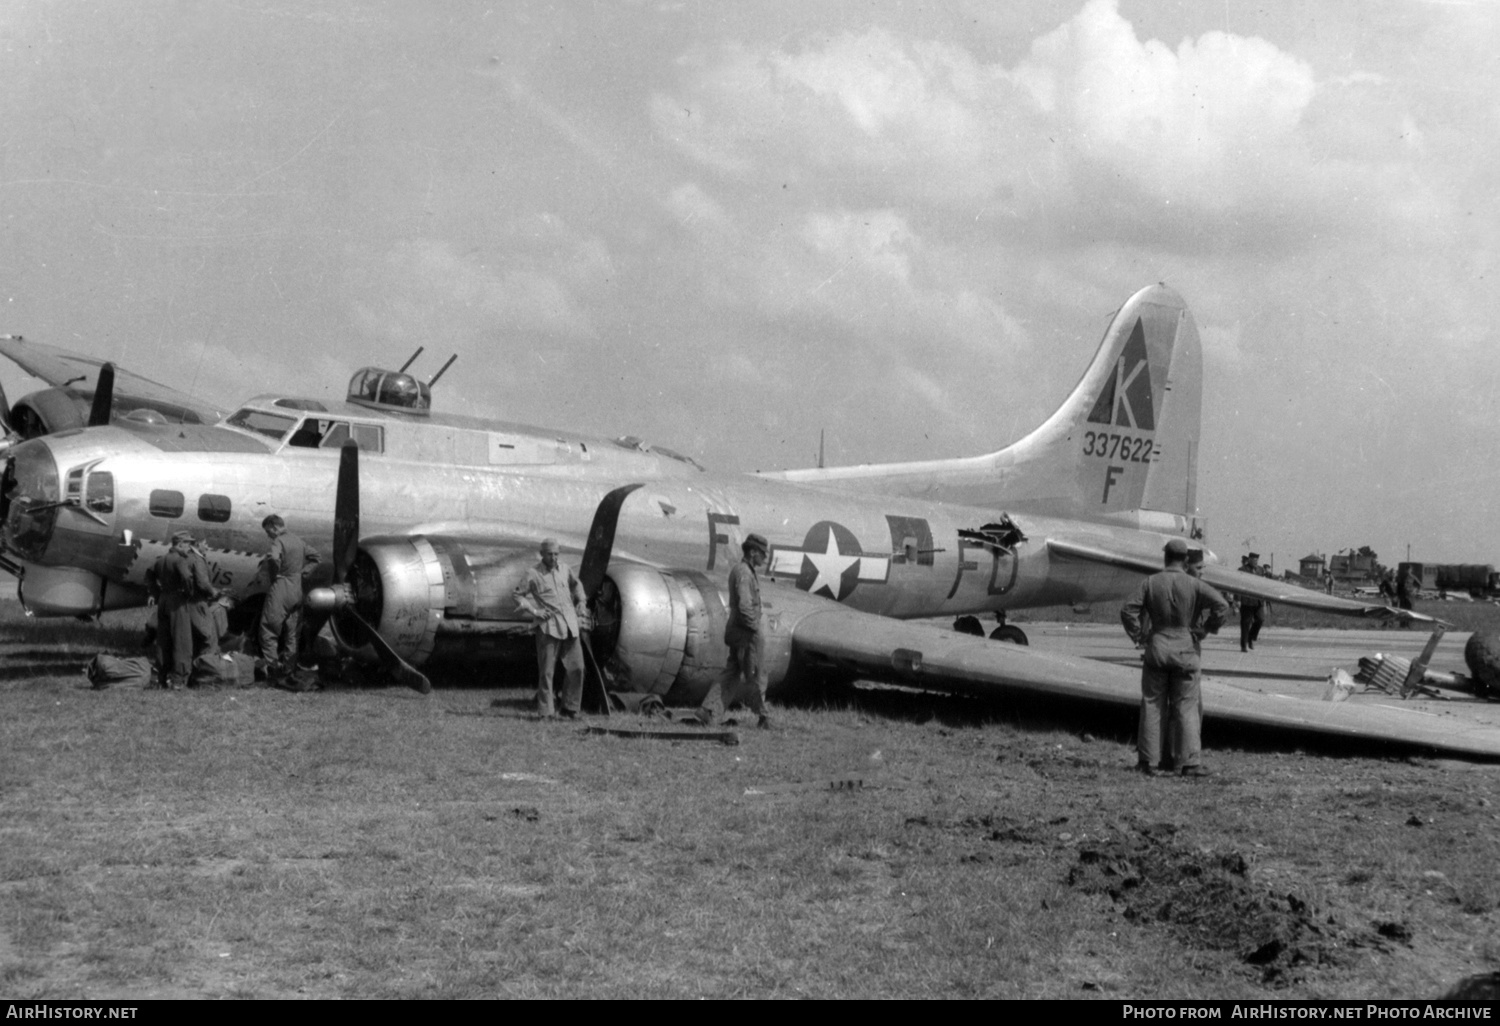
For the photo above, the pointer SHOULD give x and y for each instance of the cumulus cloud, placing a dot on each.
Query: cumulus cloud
(530, 286)
(865, 270)
(1094, 132)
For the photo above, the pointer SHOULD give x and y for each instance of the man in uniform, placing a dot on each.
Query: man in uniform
(744, 676)
(178, 585)
(281, 616)
(552, 596)
(201, 611)
(1172, 599)
(1408, 587)
(1252, 609)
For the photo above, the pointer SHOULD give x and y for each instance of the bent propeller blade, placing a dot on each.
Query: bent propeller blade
(601, 541)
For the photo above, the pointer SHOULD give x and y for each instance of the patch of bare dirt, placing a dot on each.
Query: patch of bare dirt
(1209, 899)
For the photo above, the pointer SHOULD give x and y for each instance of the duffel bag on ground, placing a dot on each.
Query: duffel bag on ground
(108, 671)
(223, 670)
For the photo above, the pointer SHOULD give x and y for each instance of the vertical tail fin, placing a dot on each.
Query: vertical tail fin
(1123, 444)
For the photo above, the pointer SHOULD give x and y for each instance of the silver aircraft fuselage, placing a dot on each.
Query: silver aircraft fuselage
(89, 512)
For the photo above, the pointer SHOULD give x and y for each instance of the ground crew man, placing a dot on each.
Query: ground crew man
(201, 611)
(1252, 609)
(744, 676)
(1172, 599)
(178, 585)
(281, 616)
(1408, 587)
(552, 596)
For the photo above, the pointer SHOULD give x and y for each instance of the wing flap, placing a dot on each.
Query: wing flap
(925, 656)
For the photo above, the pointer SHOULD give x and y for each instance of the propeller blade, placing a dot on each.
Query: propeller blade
(596, 553)
(390, 660)
(346, 512)
(104, 396)
(345, 549)
(601, 541)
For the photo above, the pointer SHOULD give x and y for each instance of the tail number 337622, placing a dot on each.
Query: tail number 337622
(1107, 445)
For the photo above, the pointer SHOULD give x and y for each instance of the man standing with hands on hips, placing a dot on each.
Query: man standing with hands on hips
(1172, 599)
(553, 597)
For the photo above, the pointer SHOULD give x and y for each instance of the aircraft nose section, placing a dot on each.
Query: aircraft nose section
(29, 499)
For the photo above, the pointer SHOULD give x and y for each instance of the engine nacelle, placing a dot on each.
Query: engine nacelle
(432, 597)
(665, 631)
(46, 412)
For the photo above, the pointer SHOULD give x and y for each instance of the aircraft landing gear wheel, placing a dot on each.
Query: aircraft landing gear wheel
(1010, 633)
(969, 625)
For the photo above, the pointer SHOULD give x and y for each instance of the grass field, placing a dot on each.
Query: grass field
(256, 843)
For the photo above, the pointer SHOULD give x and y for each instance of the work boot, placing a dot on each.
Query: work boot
(1196, 771)
(1145, 769)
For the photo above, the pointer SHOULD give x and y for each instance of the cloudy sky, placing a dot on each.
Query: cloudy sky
(726, 226)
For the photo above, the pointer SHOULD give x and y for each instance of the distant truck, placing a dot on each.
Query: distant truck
(1477, 579)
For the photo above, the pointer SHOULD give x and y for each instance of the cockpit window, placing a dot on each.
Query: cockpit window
(269, 424)
(308, 434)
(369, 437)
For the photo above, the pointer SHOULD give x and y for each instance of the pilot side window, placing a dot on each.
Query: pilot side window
(308, 434)
(167, 504)
(213, 508)
(269, 424)
(99, 493)
(367, 436)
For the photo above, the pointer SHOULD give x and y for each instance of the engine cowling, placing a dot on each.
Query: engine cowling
(662, 632)
(46, 412)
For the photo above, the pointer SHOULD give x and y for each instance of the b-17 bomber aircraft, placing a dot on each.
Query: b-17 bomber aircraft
(433, 518)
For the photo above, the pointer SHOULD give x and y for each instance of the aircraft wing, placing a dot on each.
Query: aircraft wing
(926, 656)
(62, 368)
(1229, 581)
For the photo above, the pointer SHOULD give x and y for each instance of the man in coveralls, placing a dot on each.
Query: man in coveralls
(744, 676)
(1172, 599)
(554, 599)
(206, 631)
(281, 616)
(179, 585)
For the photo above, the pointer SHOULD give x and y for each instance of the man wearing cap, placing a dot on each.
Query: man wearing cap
(551, 595)
(744, 677)
(281, 616)
(1172, 600)
(178, 585)
(1252, 609)
(206, 630)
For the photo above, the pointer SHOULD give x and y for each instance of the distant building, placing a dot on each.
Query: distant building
(1311, 566)
(1350, 566)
